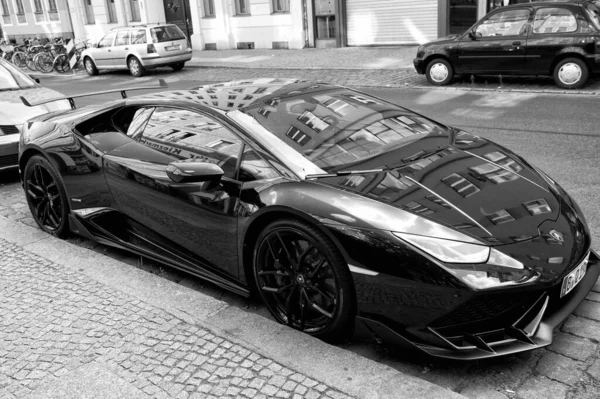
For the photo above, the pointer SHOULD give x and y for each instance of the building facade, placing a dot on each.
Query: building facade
(28, 19)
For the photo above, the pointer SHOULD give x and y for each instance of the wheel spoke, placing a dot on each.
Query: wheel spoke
(288, 306)
(53, 215)
(289, 269)
(319, 309)
(320, 292)
(303, 300)
(38, 209)
(273, 272)
(305, 253)
(317, 267)
(39, 177)
(287, 252)
(276, 290)
(33, 195)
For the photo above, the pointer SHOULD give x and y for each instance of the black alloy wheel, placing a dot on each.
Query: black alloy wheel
(46, 196)
(304, 280)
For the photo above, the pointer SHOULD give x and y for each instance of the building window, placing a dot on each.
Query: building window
(135, 10)
(281, 5)
(20, 12)
(38, 11)
(89, 12)
(52, 11)
(5, 13)
(209, 8)
(112, 11)
(242, 7)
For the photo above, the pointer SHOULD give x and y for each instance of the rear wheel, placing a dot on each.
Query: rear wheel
(19, 59)
(135, 67)
(90, 67)
(571, 73)
(46, 196)
(304, 280)
(178, 66)
(44, 62)
(29, 62)
(61, 63)
(439, 72)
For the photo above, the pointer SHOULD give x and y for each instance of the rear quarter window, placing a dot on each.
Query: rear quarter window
(554, 20)
(138, 36)
(166, 34)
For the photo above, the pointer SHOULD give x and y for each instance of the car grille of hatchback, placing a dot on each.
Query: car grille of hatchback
(9, 129)
(8, 160)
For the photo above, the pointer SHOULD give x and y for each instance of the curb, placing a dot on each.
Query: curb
(336, 367)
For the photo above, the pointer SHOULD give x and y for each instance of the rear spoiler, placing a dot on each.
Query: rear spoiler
(161, 84)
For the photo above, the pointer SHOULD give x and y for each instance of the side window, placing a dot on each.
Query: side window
(554, 20)
(189, 135)
(138, 123)
(122, 38)
(254, 167)
(504, 23)
(107, 40)
(138, 36)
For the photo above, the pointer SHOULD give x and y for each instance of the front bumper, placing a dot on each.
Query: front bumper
(9, 150)
(533, 330)
(419, 65)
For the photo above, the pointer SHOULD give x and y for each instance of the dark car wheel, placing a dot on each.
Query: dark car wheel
(178, 66)
(46, 197)
(571, 73)
(304, 280)
(439, 72)
(90, 67)
(135, 67)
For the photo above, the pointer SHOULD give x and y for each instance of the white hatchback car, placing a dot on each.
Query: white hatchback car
(139, 48)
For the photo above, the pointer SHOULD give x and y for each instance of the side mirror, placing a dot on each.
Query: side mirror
(35, 78)
(472, 34)
(192, 172)
(95, 45)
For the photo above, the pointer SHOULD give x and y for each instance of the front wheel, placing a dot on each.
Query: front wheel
(30, 63)
(44, 62)
(19, 59)
(178, 66)
(571, 73)
(46, 196)
(304, 280)
(135, 67)
(439, 72)
(62, 63)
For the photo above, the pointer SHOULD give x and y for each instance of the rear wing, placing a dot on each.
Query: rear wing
(161, 84)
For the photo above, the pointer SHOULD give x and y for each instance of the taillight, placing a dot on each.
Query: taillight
(151, 49)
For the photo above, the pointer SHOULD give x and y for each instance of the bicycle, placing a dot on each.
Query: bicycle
(24, 55)
(6, 50)
(44, 61)
(62, 63)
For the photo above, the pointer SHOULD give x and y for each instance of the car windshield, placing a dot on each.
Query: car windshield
(336, 129)
(593, 10)
(12, 78)
(166, 33)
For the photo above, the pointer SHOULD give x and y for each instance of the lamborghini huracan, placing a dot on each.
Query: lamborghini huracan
(346, 214)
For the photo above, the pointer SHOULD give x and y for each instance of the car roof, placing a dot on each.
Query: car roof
(235, 95)
(157, 25)
(540, 3)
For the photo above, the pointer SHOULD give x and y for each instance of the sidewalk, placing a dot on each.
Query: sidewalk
(79, 324)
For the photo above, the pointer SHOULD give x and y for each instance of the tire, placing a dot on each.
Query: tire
(178, 67)
(135, 67)
(44, 62)
(46, 196)
(90, 67)
(61, 63)
(439, 72)
(29, 62)
(19, 59)
(303, 279)
(571, 73)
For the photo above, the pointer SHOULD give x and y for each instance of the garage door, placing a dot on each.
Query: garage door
(381, 22)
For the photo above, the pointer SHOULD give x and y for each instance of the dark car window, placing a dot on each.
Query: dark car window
(122, 38)
(504, 23)
(254, 167)
(190, 135)
(11, 78)
(554, 20)
(166, 33)
(107, 40)
(138, 36)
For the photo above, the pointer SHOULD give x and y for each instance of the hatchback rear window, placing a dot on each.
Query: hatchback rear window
(166, 33)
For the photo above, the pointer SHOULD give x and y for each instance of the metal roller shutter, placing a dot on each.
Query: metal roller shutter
(381, 22)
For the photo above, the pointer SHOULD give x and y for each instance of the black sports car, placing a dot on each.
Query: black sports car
(344, 212)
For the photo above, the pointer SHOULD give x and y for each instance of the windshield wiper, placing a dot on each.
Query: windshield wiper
(343, 173)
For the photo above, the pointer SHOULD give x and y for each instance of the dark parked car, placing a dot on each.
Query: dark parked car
(559, 39)
(343, 211)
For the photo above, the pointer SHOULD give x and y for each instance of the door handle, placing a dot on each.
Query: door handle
(109, 50)
(126, 48)
(516, 43)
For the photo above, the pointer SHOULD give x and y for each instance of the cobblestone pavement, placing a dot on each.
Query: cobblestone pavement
(55, 321)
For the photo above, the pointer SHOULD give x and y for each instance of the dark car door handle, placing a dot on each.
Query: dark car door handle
(516, 43)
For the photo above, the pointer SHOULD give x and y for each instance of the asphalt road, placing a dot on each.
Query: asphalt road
(555, 132)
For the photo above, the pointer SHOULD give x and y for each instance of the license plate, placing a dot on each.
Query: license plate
(172, 48)
(572, 279)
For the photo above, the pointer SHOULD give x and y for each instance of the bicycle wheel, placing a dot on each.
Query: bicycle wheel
(29, 62)
(19, 59)
(61, 63)
(44, 62)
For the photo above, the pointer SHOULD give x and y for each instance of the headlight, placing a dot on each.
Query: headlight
(478, 266)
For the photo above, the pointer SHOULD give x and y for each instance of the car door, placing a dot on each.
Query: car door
(553, 29)
(497, 44)
(103, 56)
(195, 220)
(121, 48)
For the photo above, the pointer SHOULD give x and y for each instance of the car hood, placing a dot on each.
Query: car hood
(14, 112)
(442, 40)
(473, 186)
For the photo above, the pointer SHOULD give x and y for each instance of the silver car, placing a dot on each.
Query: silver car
(139, 48)
(13, 112)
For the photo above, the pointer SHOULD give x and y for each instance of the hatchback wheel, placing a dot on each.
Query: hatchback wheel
(46, 196)
(90, 67)
(571, 73)
(304, 280)
(439, 72)
(135, 67)
(178, 67)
